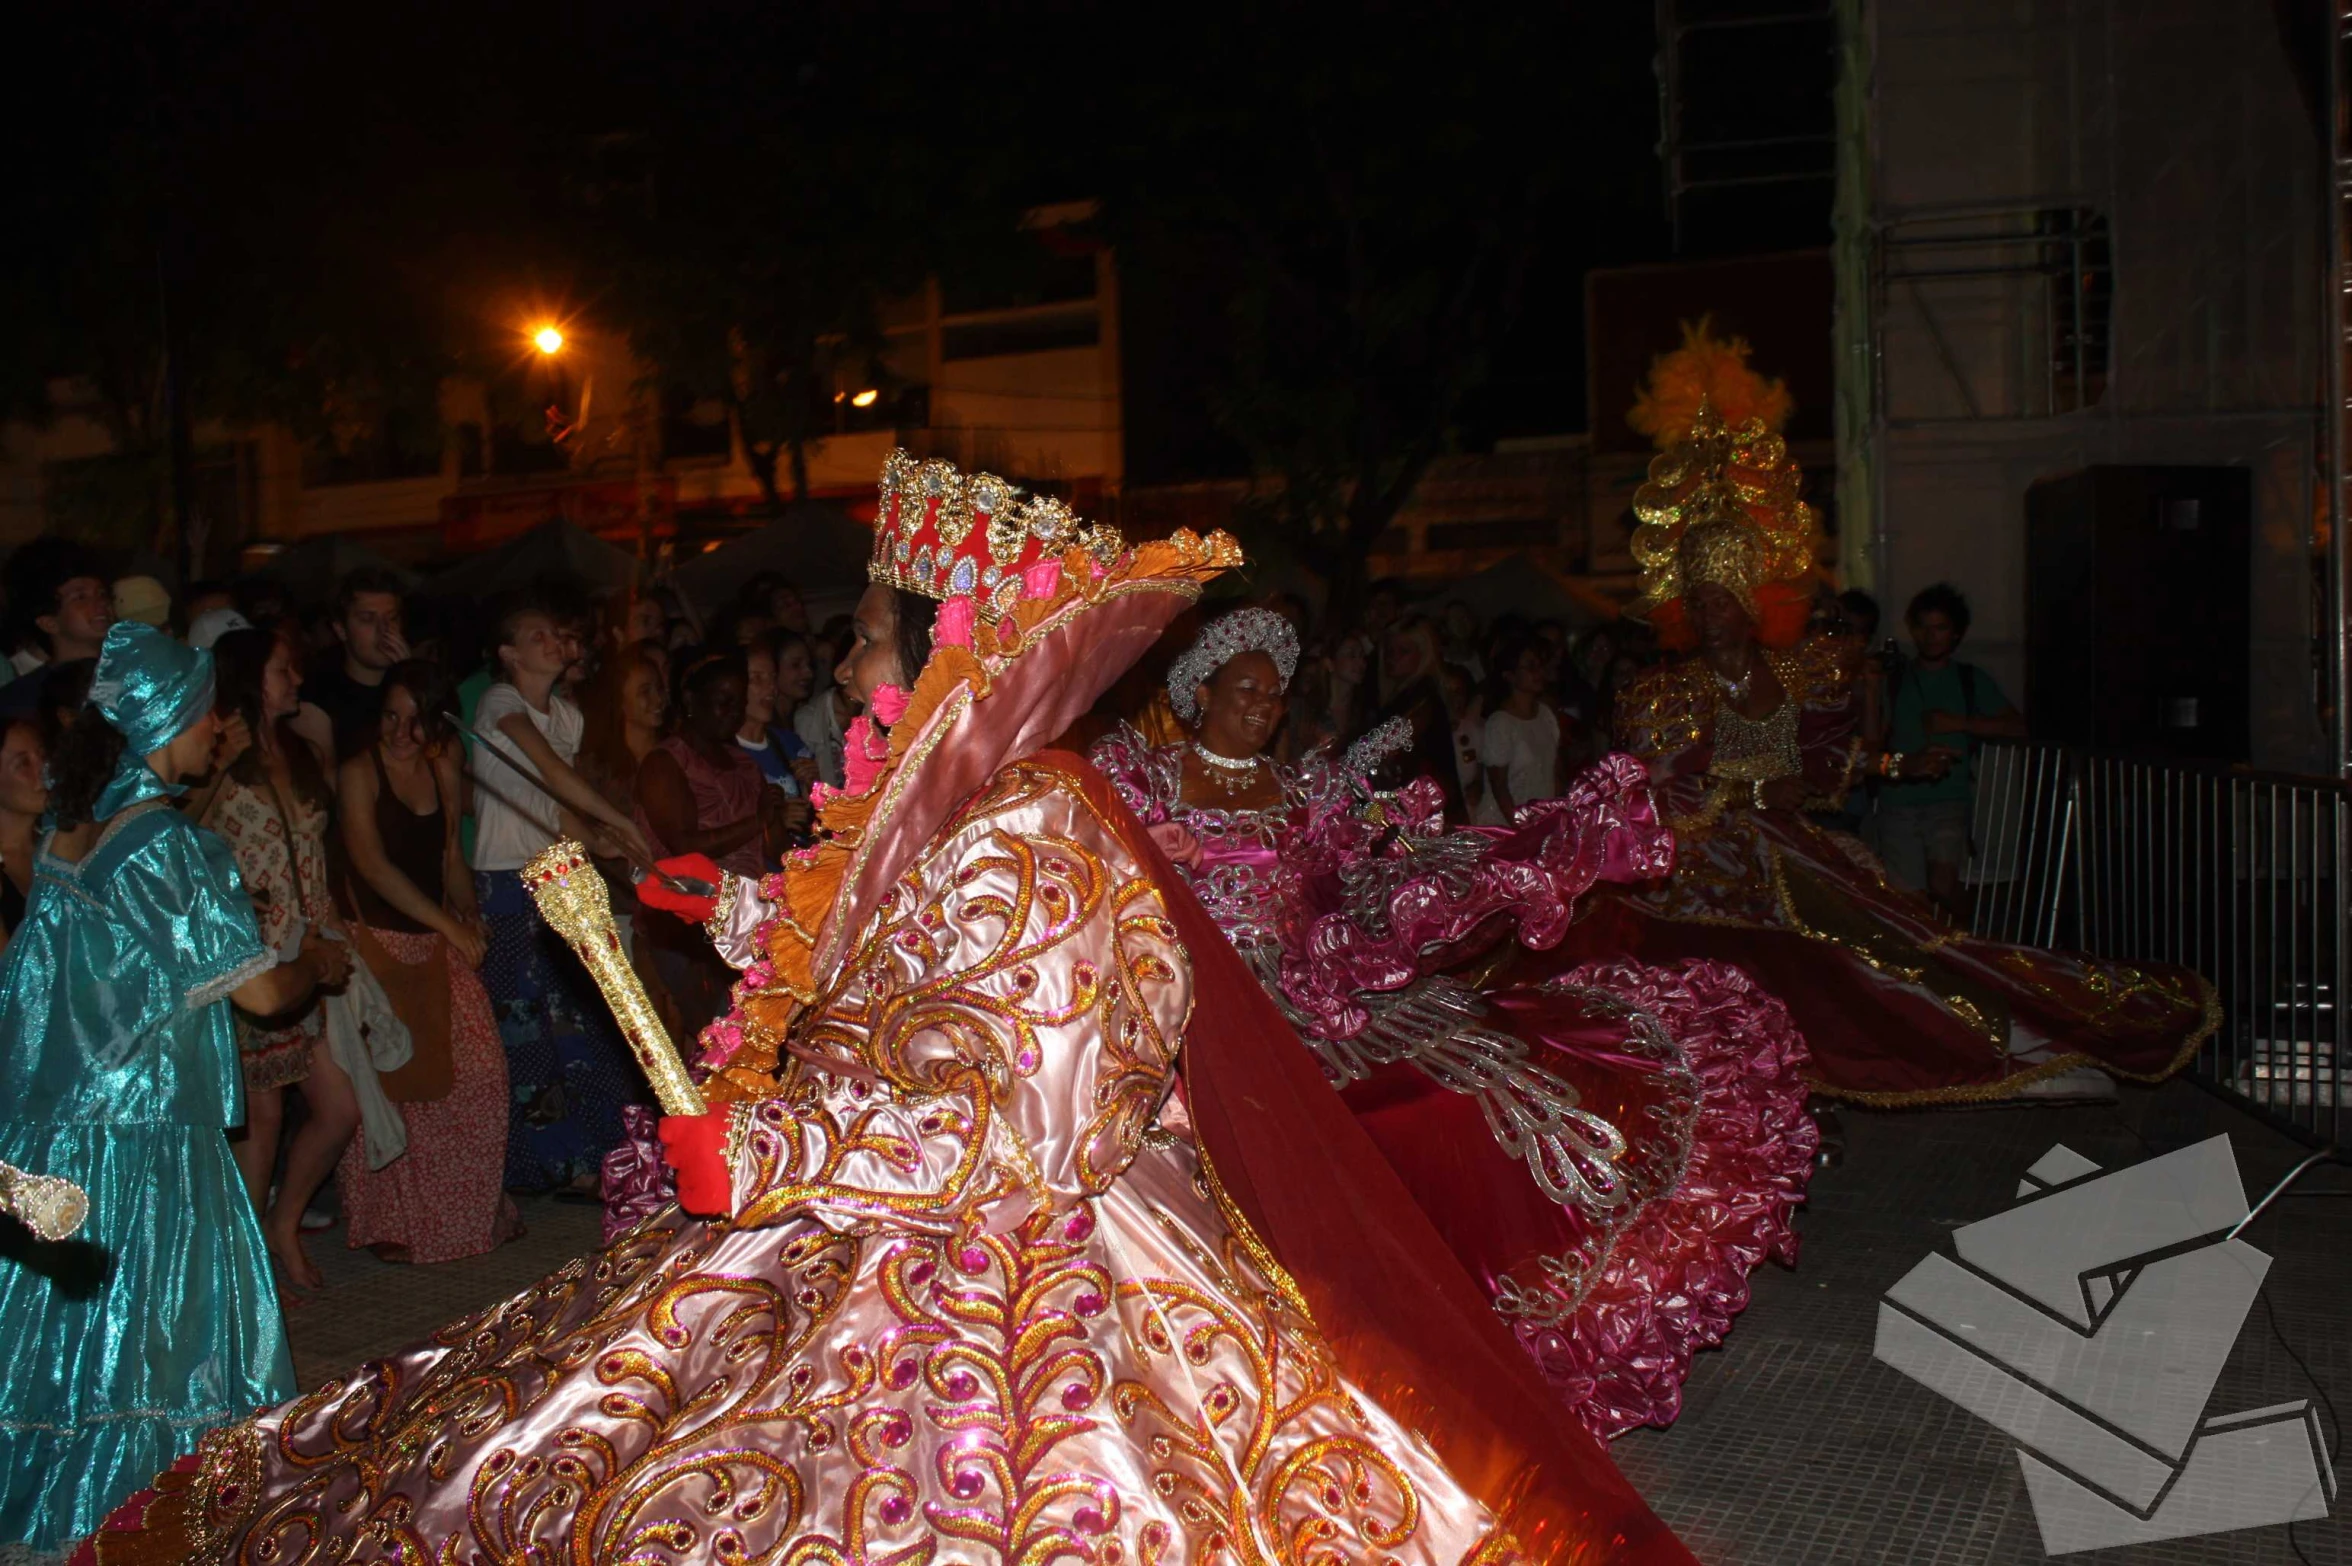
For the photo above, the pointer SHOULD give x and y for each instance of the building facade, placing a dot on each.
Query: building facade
(2079, 233)
(1026, 385)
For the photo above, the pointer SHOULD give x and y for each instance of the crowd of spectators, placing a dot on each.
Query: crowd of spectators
(380, 785)
(1505, 709)
(382, 778)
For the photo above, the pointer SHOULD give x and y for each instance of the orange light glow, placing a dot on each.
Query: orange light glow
(864, 399)
(548, 340)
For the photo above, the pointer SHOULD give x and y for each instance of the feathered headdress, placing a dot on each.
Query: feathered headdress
(1724, 503)
(1712, 370)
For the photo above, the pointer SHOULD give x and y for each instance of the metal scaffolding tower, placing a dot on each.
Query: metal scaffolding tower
(2337, 278)
(1724, 123)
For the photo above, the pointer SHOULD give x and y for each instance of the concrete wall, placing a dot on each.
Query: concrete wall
(2179, 123)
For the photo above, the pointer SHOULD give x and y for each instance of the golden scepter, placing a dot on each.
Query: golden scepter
(52, 1208)
(571, 898)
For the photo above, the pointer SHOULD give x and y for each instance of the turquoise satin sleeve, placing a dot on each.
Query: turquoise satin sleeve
(113, 993)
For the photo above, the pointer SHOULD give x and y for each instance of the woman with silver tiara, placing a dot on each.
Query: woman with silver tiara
(1610, 1152)
(1025, 1233)
(158, 1321)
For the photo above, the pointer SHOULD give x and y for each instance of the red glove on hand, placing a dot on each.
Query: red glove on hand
(654, 894)
(696, 1147)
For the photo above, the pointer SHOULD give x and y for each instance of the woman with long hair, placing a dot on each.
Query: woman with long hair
(781, 674)
(569, 1073)
(1410, 667)
(24, 800)
(273, 809)
(624, 711)
(1519, 747)
(157, 1321)
(417, 927)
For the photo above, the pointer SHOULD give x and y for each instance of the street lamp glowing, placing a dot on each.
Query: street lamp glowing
(864, 399)
(548, 340)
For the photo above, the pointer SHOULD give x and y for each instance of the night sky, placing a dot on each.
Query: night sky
(314, 181)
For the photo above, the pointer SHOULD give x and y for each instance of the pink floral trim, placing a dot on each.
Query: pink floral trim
(1042, 580)
(1679, 1274)
(864, 750)
(953, 625)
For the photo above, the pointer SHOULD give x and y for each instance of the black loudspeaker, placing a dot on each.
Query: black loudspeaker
(2138, 581)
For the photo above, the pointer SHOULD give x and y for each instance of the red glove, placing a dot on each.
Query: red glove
(696, 1147)
(655, 894)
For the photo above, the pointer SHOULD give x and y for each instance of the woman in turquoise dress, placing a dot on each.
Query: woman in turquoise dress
(118, 1071)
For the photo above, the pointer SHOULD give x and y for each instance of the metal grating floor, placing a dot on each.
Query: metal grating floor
(1795, 1447)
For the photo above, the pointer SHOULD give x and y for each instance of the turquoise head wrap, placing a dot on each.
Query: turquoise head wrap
(149, 689)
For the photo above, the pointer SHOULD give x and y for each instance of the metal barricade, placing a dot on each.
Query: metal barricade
(2237, 874)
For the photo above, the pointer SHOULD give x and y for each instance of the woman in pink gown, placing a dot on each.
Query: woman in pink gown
(1022, 1240)
(1609, 1152)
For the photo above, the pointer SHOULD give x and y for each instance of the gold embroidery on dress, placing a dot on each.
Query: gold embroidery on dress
(1828, 916)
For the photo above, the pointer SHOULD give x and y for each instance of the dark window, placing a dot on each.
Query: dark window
(1748, 128)
(401, 445)
(1041, 333)
(2079, 261)
(517, 450)
(110, 500)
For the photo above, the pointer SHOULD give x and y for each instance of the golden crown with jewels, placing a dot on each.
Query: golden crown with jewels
(947, 534)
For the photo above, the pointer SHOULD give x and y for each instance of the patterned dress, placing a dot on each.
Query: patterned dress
(443, 1198)
(569, 1075)
(978, 1301)
(1897, 1007)
(287, 877)
(1609, 1151)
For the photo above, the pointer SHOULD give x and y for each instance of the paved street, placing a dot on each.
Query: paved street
(1795, 1447)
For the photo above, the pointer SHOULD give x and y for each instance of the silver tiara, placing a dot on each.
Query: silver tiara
(1244, 630)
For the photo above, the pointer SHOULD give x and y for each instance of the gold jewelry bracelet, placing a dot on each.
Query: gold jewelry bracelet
(714, 923)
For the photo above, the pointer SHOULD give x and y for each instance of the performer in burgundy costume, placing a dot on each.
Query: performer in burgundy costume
(1754, 729)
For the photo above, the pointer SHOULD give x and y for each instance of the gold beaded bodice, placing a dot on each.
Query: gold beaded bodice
(1757, 750)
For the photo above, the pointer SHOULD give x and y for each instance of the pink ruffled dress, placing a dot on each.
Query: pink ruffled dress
(1609, 1152)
